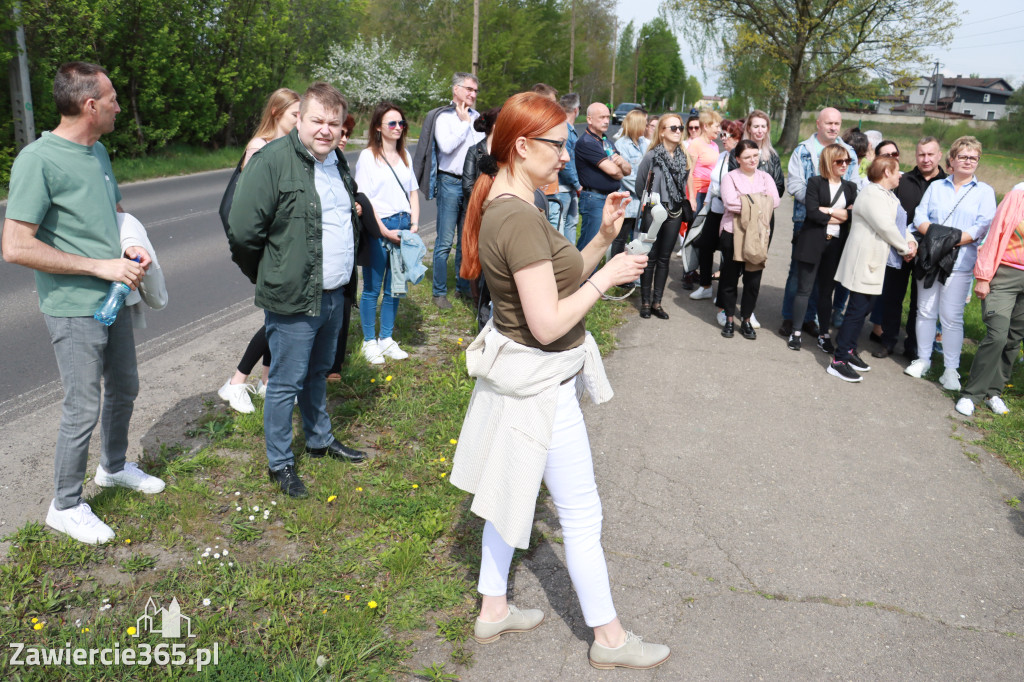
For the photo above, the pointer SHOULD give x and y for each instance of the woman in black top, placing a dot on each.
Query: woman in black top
(819, 244)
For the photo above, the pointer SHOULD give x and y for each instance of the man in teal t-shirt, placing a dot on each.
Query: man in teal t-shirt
(62, 222)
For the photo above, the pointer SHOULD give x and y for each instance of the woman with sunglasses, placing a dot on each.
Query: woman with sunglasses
(962, 202)
(524, 423)
(819, 245)
(662, 171)
(384, 173)
(280, 115)
(692, 130)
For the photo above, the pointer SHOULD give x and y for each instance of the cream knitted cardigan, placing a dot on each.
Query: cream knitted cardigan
(503, 446)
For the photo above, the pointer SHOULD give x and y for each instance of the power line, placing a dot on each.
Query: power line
(974, 47)
(988, 33)
(982, 21)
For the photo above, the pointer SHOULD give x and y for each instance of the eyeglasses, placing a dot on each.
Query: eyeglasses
(396, 124)
(558, 144)
(346, 133)
(468, 88)
(891, 155)
(963, 158)
(674, 129)
(693, 128)
(842, 162)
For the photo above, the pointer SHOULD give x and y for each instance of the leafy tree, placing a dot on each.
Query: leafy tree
(819, 42)
(661, 76)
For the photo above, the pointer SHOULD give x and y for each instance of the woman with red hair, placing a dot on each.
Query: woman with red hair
(524, 423)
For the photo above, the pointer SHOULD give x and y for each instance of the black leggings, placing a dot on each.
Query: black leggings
(256, 349)
(707, 244)
(652, 281)
(727, 284)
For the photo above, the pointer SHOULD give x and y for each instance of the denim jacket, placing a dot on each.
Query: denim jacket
(406, 262)
(568, 176)
(808, 169)
(634, 153)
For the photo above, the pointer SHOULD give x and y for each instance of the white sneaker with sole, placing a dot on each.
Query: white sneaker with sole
(80, 523)
(130, 477)
(720, 318)
(701, 293)
(950, 380)
(261, 389)
(237, 396)
(917, 368)
(389, 349)
(996, 404)
(965, 406)
(371, 351)
(753, 321)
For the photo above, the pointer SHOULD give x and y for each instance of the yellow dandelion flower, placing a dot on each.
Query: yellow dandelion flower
(453, 441)
(387, 378)
(415, 485)
(443, 474)
(372, 604)
(332, 498)
(359, 490)
(128, 541)
(85, 629)
(1009, 385)
(348, 597)
(131, 630)
(373, 381)
(37, 626)
(35, 620)
(460, 339)
(325, 610)
(441, 460)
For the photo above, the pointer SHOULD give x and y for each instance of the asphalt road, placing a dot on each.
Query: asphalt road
(205, 289)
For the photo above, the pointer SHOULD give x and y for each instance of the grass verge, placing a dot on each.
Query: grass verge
(336, 586)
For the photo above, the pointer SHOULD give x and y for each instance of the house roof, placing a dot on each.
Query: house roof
(998, 84)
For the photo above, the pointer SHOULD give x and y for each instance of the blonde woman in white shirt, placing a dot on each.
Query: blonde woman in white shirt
(384, 174)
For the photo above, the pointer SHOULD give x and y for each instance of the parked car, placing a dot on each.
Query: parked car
(623, 109)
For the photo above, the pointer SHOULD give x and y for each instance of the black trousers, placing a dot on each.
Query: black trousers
(824, 273)
(729, 280)
(652, 281)
(858, 307)
(625, 235)
(894, 290)
(707, 244)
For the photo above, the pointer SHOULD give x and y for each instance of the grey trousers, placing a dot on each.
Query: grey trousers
(87, 351)
(1003, 313)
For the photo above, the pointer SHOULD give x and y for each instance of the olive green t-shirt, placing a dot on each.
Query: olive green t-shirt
(514, 234)
(69, 191)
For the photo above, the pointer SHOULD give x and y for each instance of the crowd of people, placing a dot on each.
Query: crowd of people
(509, 184)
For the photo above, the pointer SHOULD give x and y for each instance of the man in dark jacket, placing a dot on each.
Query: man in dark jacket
(910, 190)
(293, 232)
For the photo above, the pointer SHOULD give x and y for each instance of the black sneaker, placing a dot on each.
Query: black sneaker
(844, 371)
(854, 361)
(794, 342)
(825, 344)
(289, 481)
(747, 330)
(811, 328)
(728, 329)
(340, 452)
(786, 330)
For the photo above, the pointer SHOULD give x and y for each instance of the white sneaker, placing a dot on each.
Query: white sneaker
(389, 349)
(965, 406)
(80, 523)
(753, 321)
(720, 318)
(237, 396)
(261, 389)
(917, 368)
(371, 351)
(950, 380)
(130, 477)
(996, 404)
(701, 293)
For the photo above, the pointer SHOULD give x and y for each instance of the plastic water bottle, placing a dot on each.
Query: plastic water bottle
(107, 312)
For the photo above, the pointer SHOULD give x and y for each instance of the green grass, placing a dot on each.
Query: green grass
(332, 587)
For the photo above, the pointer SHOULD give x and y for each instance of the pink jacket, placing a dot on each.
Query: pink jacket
(1008, 216)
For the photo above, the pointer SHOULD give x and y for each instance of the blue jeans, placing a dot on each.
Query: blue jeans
(591, 209)
(88, 351)
(377, 275)
(572, 216)
(791, 284)
(302, 348)
(451, 211)
(558, 204)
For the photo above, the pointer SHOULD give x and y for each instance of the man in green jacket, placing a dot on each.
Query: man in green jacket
(293, 232)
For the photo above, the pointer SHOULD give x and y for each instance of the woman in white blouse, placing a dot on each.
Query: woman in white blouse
(384, 174)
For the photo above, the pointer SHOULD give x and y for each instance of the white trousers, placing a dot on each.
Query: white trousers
(946, 302)
(569, 477)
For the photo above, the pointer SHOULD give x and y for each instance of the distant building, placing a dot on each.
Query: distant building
(712, 102)
(979, 98)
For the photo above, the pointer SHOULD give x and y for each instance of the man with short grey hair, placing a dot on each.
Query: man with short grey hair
(446, 136)
(62, 222)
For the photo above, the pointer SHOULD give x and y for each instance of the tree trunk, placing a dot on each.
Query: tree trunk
(796, 99)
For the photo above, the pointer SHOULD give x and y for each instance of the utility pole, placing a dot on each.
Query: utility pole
(615, 58)
(21, 90)
(636, 65)
(476, 37)
(572, 47)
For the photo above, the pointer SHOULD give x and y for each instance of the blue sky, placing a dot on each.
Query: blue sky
(989, 42)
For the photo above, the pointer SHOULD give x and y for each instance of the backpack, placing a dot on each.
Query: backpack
(229, 195)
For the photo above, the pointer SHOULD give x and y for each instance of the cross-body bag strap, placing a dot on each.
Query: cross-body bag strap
(839, 192)
(962, 196)
(399, 182)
